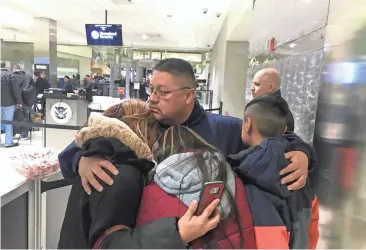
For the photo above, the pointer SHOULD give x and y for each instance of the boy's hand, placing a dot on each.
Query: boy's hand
(298, 168)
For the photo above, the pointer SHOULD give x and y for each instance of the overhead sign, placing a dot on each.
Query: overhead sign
(61, 112)
(104, 34)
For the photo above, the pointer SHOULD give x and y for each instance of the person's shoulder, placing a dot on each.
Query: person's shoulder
(224, 120)
(128, 171)
(128, 179)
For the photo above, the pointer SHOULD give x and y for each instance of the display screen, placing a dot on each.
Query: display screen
(104, 34)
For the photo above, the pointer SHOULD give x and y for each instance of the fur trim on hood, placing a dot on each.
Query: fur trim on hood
(102, 126)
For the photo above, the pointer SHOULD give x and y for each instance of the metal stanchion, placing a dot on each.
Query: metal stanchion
(31, 217)
(34, 215)
(38, 213)
(44, 134)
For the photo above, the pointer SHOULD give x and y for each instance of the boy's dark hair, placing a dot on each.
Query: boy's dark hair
(177, 67)
(269, 114)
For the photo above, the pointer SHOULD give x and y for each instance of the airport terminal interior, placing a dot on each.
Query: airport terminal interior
(63, 63)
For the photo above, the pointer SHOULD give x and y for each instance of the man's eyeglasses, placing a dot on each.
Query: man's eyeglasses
(160, 91)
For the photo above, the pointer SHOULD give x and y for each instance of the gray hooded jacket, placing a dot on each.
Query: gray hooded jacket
(179, 175)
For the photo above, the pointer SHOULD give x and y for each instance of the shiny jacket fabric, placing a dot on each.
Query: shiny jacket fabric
(10, 91)
(281, 218)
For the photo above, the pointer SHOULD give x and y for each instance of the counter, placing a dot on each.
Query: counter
(18, 211)
(12, 184)
(31, 218)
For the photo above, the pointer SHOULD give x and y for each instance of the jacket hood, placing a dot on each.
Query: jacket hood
(179, 175)
(102, 126)
(198, 113)
(261, 165)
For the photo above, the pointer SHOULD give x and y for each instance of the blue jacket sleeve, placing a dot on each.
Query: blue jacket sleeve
(297, 144)
(69, 160)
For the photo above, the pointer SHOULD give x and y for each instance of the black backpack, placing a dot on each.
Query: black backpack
(29, 93)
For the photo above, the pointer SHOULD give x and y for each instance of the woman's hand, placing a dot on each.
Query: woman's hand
(192, 227)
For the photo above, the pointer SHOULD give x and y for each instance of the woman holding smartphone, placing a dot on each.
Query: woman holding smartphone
(189, 169)
(124, 136)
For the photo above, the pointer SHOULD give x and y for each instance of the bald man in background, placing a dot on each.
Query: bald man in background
(267, 82)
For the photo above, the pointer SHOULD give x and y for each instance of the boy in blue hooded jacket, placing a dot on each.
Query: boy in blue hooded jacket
(289, 218)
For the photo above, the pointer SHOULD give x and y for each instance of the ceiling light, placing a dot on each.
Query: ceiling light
(144, 37)
(292, 45)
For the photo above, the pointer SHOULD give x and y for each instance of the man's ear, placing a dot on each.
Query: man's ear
(248, 124)
(270, 87)
(285, 130)
(191, 95)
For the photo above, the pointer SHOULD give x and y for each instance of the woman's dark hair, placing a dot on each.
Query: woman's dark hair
(180, 139)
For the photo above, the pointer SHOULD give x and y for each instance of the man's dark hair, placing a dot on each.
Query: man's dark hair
(269, 114)
(67, 77)
(177, 67)
(3, 64)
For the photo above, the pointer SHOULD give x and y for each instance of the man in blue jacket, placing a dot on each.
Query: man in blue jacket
(172, 101)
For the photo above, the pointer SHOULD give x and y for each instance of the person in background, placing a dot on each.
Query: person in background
(267, 82)
(75, 81)
(282, 218)
(11, 99)
(41, 82)
(69, 87)
(142, 90)
(88, 85)
(124, 134)
(172, 102)
(22, 114)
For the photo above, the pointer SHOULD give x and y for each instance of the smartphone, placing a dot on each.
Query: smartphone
(210, 192)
